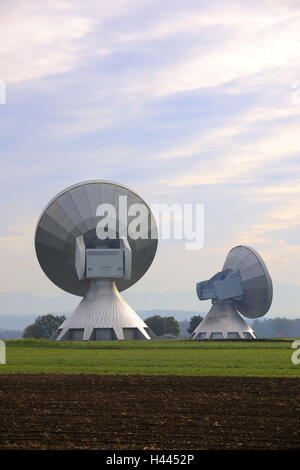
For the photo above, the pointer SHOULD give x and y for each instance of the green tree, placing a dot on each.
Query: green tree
(163, 325)
(156, 324)
(31, 331)
(194, 322)
(171, 326)
(44, 326)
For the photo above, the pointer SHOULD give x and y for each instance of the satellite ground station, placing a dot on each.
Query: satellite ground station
(244, 286)
(74, 258)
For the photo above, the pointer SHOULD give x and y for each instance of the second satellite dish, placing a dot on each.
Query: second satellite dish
(244, 286)
(95, 239)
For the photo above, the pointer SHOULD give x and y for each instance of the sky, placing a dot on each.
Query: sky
(185, 102)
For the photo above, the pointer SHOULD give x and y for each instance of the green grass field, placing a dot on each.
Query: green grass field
(170, 357)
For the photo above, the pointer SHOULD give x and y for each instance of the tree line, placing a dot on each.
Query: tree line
(46, 325)
(276, 328)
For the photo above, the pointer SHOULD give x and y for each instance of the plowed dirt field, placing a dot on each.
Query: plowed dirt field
(53, 411)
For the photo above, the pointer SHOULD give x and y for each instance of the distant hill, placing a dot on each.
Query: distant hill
(10, 334)
(179, 315)
(19, 309)
(14, 302)
(19, 322)
(24, 303)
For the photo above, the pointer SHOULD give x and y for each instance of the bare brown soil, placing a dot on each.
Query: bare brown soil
(48, 411)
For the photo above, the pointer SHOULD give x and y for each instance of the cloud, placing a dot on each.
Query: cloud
(280, 217)
(246, 43)
(238, 161)
(183, 101)
(40, 38)
(55, 37)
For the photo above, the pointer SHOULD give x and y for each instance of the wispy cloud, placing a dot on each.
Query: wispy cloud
(39, 39)
(235, 159)
(184, 101)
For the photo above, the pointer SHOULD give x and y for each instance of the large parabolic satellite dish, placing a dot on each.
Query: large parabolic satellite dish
(244, 286)
(74, 258)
